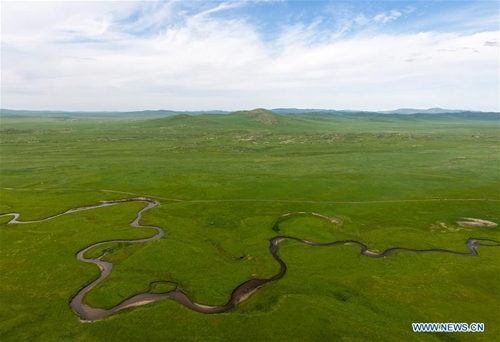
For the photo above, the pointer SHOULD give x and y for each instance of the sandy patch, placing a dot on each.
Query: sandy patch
(204, 306)
(474, 222)
(142, 302)
(251, 138)
(463, 225)
(331, 219)
(444, 228)
(85, 321)
(245, 297)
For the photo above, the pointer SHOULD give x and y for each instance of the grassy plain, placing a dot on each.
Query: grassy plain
(223, 181)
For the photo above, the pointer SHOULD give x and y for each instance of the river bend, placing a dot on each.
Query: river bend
(239, 294)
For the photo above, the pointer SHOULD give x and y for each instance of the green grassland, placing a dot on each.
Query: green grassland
(224, 183)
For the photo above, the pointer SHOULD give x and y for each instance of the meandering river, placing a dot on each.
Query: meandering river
(239, 294)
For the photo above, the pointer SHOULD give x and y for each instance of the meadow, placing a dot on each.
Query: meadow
(224, 183)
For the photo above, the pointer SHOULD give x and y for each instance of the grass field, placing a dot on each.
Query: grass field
(223, 182)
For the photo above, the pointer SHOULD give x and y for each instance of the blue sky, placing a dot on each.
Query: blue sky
(192, 55)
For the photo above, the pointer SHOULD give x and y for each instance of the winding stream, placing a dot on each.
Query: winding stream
(239, 294)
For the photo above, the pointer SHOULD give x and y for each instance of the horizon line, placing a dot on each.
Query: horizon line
(230, 111)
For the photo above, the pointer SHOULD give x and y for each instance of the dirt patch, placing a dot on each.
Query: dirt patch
(204, 306)
(142, 302)
(245, 296)
(331, 219)
(474, 222)
(444, 228)
(462, 225)
(372, 252)
(251, 138)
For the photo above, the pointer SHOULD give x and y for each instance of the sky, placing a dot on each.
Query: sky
(197, 55)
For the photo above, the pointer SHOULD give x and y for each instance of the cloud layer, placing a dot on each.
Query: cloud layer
(195, 55)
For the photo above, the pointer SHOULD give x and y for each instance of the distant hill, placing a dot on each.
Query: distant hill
(312, 110)
(263, 116)
(299, 111)
(402, 111)
(147, 114)
(423, 111)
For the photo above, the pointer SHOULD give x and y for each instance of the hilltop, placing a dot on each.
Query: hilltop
(263, 116)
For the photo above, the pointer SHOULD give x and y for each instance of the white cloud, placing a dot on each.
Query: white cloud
(409, 9)
(385, 17)
(200, 62)
(151, 15)
(84, 26)
(361, 20)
